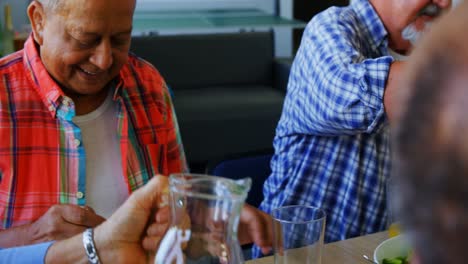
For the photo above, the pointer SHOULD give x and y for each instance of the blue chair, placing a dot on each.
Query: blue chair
(255, 165)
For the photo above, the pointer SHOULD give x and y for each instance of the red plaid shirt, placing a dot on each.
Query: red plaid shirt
(42, 159)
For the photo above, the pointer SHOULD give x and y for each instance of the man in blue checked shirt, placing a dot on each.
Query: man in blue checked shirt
(332, 141)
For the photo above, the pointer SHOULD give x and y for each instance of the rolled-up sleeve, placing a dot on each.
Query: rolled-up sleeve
(32, 254)
(334, 88)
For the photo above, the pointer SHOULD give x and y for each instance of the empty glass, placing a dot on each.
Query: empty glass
(205, 212)
(298, 234)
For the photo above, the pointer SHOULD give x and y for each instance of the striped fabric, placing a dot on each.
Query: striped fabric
(332, 141)
(42, 159)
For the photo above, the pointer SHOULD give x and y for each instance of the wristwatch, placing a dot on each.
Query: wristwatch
(88, 243)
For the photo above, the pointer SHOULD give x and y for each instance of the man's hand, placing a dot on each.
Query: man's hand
(59, 222)
(63, 221)
(157, 229)
(119, 239)
(257, 227)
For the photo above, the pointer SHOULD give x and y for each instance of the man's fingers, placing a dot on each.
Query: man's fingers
(78, 215)
(154, 194)
(61, 229)
(157, 229)
(163, 215)
(256, 227)
(88, 208)
(264, 239)
(69, 230)
(91, 218)
(151, 243)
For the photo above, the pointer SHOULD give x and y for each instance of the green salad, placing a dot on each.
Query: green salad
(397, 260)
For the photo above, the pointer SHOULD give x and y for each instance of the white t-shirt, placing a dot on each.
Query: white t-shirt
(106, 189)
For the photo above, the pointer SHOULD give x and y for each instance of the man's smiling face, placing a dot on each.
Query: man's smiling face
(405, 20)
(85, 43)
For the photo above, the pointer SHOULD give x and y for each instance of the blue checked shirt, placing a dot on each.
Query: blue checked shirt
(332, 141)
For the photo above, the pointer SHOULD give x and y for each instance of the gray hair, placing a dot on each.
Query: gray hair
(52, 5)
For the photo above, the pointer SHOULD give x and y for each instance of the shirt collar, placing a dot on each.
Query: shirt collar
(125, 79)
(43, 83)
(367, 15)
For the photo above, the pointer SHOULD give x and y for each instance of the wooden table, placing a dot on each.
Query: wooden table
(342, 252)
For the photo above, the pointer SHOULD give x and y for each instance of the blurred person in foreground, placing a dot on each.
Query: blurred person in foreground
(431, 145)
(83, 124)
(332, 143)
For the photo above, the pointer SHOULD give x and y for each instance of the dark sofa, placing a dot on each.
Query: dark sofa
(228, 89)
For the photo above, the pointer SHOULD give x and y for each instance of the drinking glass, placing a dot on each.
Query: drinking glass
(298, 234)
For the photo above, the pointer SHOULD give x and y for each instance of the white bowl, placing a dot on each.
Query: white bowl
(397, 246)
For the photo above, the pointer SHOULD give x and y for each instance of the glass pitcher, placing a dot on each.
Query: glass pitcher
(205, 212)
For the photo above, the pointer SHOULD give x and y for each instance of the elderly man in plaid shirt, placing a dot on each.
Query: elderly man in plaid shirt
(332, 141)
(83, 124)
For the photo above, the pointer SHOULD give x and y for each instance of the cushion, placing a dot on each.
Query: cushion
(194, 61)
(216, 121)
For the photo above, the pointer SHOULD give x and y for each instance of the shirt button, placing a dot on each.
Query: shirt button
(79, 195)
(51, 108)
(66, 101)
(77, 142)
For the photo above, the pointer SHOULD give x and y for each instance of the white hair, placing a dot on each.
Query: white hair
(51, 5)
